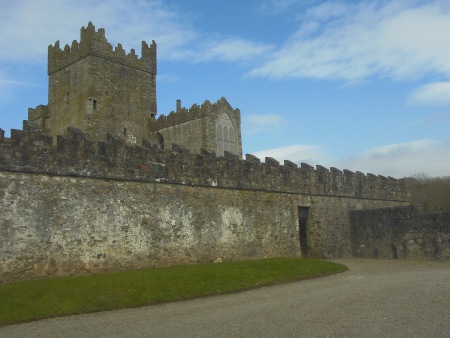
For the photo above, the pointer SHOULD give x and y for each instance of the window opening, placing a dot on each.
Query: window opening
(219, 141)
(232, 141)
(123, 74)
(226, 139)
(160, 140)
(94, 104)
(225, 136)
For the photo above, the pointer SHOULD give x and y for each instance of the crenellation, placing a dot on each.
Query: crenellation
(39, 115)
(322, 168)
(306, 166)
(208, 153)
(271, 162)
(94, 43)
(336, 171)
(98, 149)
(30, 126)
(372, 176)
(290, 164)
(231, 157)
(75, 45)
(252, 158)
(348, 172)
(185, 115)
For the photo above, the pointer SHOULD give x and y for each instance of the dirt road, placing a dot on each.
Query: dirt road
(375, 298)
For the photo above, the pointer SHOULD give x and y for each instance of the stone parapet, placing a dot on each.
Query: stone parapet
(185, 115)
(94, 42)
(30, 150)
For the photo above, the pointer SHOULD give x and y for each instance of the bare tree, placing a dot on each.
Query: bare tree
(431, 192)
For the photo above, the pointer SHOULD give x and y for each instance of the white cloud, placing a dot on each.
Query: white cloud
(435, 119)
(437, 93)
(272, 6)
(327, 10)
(42, 22)
(259, 123)
(167, 78)
(352, 42)
(4, 82)
(431, 157)
(232, 49)
(404, 159)
(297, 153)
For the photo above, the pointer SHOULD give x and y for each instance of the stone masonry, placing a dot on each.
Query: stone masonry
(405, 232)
(89, 206)
(95, 182)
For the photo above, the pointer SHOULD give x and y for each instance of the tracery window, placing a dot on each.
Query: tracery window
(225, 135)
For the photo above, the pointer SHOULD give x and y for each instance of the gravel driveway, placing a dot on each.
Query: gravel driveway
(375, 298)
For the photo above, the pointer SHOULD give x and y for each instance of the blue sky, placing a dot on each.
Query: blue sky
(360, 85)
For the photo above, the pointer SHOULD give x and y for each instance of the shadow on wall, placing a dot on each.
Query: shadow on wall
(402, 232)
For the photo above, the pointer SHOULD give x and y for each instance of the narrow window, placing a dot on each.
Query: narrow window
(123, 74)
(232, 141)
(219, 141)
(226, 140)
(67, 98)
(68, 76)
(94, 104)
(124, 131)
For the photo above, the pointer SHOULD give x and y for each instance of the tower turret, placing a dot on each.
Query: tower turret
(99, 89)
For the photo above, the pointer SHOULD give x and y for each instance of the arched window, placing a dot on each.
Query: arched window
(160, 140)
(225, 135)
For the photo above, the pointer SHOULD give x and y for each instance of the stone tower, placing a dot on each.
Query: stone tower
(99, 90)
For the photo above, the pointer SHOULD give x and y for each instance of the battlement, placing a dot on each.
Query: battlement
(94, 42)
(31, 151)
(185, 115)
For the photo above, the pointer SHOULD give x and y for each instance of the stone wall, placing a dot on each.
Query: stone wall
(404, 232)
(196, 128)
(59, 225)
(88, 206)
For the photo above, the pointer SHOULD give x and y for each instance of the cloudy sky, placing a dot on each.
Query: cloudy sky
(360, 85)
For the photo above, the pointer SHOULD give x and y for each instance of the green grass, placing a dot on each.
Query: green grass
(32, 300)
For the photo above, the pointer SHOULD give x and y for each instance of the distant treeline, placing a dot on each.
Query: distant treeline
(431, 192)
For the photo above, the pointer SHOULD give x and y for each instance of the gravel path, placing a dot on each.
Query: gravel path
(375, 298)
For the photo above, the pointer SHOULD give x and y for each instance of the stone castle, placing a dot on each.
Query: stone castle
(104, 91)
(95, 182)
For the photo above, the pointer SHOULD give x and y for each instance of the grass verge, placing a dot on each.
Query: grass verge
(45, 298)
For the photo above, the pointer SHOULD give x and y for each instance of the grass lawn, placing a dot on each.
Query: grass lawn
(32, 300)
